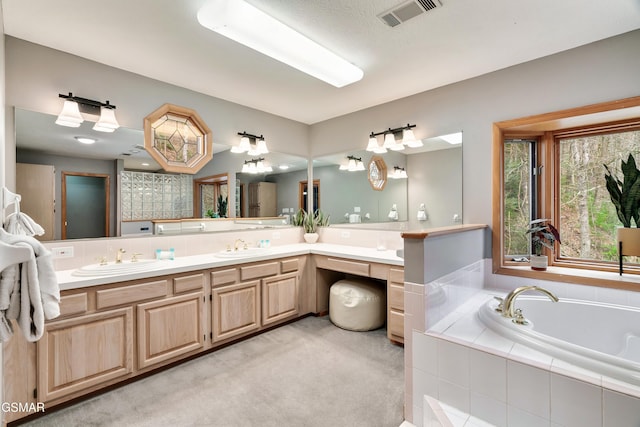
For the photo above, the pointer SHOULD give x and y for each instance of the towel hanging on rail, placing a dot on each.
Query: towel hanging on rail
(18, 222)
(29, 291)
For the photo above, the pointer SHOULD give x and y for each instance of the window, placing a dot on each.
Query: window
(587, 219)
(551, 166)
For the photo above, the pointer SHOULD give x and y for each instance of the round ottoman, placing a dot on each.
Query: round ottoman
(357, 305)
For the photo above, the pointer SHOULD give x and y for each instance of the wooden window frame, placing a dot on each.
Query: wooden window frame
(548, 128)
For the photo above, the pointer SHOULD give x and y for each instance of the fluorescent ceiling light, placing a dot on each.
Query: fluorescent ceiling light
(85, 140)
(253, 28)
(453, 138)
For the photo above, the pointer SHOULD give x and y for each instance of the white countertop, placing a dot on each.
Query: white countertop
(199, 262)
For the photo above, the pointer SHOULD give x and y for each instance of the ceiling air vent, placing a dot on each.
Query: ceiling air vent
(407, 10)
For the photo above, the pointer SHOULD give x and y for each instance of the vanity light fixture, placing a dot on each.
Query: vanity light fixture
(73, 107)
(398, 173)
(352, 164)
(390, 142)
(255, 166)
(248, 25)
(374, 146)
(253, 145)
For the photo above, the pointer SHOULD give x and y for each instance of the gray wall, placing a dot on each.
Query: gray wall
(36, 75)
(601, 71)
(598, 72)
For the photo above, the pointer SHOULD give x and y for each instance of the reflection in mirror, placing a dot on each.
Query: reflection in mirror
(434, 179)
(349, 197)
(271, 193)
(74, 151)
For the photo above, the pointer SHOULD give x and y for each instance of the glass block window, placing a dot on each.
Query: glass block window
(147, 196)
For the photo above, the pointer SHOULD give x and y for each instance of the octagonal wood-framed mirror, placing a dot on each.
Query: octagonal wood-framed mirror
(178, 139)
(377, 174)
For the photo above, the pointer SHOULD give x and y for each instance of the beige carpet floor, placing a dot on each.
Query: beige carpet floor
(308, 373)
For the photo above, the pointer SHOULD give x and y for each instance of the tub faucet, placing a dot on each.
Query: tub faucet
(508, 309)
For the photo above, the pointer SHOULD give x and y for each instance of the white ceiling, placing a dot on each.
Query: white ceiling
(460, 40)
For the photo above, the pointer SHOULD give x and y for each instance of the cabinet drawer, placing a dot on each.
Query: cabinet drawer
(130, 294)
(395, 326)
(343, 265)
(73, 304)
(396, 296)
(289, 265)
(396, 275)
(188, 283)
(259, 270)
(223, 277)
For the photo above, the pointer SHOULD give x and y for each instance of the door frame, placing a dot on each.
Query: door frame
(107, 193)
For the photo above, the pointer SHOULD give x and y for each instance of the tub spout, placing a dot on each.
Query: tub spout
(508, 306)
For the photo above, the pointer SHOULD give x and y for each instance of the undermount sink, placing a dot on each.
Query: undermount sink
(242, 253)
(112, 269)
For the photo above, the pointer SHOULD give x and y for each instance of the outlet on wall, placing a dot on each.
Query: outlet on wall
(62, 252)
(345, 234)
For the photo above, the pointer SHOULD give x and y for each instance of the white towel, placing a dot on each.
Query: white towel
(21, 223)
(32, 290)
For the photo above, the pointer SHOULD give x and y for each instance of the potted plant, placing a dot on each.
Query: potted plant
(543, 235)
(625, 196)
(310, 222)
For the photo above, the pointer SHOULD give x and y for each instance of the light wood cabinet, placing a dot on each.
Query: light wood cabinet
(280, 298)
(235, 310)
(169, 328)
(83, 352)
(395, 305)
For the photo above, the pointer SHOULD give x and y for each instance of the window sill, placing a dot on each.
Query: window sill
(576, 275)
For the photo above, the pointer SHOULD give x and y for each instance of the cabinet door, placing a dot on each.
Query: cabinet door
(235, 310)
(279, 298)
(169, 328)
(79, 353)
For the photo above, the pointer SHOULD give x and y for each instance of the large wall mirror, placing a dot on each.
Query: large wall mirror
(433, 178)
(60, 151)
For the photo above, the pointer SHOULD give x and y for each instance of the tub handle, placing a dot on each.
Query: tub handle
(500, 306)
(519, 318)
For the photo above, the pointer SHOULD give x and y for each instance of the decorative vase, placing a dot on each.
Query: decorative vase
(628, 243)
(311, 237)
(539, 262)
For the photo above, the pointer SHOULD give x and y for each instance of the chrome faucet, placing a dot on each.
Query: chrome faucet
(119, 255)
(507, 305)
(235, 245)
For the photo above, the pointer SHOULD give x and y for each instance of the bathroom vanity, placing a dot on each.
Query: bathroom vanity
(115, 328)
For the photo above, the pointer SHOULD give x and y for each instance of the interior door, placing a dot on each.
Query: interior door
(36, 184)
(85, 205)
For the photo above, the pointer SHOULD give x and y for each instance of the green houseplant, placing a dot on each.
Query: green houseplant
(543, 235)
(625, 196)
(310, 223)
